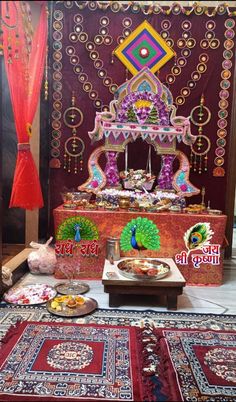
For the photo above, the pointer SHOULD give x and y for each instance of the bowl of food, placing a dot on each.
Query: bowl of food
(77, 198)
(143, 268)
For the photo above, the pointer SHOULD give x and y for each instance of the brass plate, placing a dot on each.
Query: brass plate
(86, 308)
(72, 287)
(143, 269)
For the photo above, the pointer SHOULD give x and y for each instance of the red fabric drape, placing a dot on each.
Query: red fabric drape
(24, 71)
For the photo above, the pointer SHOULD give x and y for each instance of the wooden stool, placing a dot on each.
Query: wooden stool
(116, 285)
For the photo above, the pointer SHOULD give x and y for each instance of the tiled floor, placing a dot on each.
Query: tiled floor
(199, 299)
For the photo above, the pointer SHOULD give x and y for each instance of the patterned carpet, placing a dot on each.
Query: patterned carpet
(10, 314)
(70, 362)
(182, 356)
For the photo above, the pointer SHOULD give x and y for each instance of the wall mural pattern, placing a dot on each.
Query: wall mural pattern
(86, 71)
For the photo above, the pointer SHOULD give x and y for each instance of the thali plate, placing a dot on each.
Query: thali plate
(86, 308)
(145, 269)
(30, 294)
(72, 287)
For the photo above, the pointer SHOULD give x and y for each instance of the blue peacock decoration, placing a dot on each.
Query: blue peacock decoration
(77, 228)
(140, 234)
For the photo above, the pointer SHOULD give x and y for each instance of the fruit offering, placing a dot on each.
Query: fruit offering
(67, 301)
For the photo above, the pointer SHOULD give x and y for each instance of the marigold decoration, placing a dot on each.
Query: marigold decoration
(144, 47)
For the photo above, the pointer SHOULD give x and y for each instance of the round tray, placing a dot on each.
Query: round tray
(127, 268)
(72, 287)
(86, 308)
(30, 294)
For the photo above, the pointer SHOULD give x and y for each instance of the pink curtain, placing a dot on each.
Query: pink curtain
(24, 62)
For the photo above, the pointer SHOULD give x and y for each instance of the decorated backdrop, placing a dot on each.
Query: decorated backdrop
(85, 74)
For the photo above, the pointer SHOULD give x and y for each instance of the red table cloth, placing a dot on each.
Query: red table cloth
(87, 257)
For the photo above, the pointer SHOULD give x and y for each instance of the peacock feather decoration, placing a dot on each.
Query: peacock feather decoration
(77, 228)
(140, 234)
(198, 236)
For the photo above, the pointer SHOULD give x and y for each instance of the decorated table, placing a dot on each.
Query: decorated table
(82, 252)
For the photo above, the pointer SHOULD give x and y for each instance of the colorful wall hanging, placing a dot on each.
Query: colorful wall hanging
(81, 58)
(137, 103)
(144, 47)
(200, 117)
(74, 145)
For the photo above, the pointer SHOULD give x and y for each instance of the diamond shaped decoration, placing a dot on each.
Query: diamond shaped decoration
(144, 47)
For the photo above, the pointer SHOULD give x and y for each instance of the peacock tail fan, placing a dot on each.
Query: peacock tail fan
(88, 230)
(198, 236)
(146, 234)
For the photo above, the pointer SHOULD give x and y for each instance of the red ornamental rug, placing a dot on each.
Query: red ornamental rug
(69, 362)
(189, 365)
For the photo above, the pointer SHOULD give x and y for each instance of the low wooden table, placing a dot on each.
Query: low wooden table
(115, 284)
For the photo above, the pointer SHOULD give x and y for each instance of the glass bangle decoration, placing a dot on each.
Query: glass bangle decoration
(225, 83)
(200, 116)
(74, 145)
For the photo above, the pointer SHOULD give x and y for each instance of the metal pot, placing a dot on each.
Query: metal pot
(113, 249)
(124, 202)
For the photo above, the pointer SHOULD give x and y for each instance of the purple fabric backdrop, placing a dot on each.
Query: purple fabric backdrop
(209, 84)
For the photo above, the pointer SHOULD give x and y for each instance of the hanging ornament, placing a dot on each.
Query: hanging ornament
(144, 47)
(74, 145)
(200, 115)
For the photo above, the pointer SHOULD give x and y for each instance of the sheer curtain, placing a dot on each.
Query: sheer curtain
(24, 54)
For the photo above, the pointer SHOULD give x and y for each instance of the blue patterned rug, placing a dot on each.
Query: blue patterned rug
(10, 314)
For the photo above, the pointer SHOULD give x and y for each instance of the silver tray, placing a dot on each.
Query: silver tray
(29, 295)
(86, 308)
(143, 269)
(72, 287)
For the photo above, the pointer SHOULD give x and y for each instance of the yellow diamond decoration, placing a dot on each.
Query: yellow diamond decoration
(144, 47)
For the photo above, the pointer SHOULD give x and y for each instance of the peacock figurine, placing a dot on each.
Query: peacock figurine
(198, 236)
(140, 234)
(77, 228)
